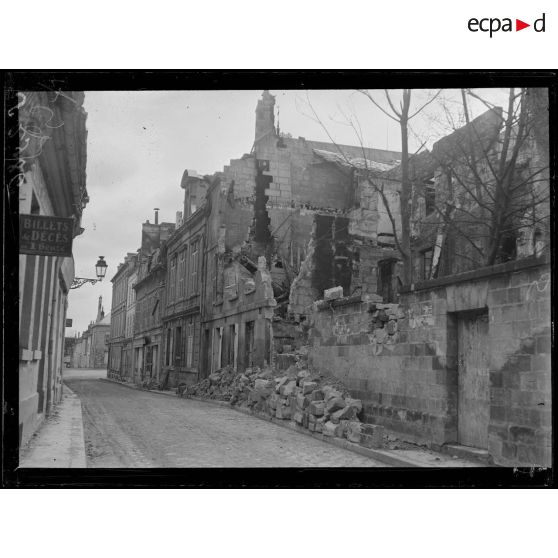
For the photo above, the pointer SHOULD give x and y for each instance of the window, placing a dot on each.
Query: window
(429, 200)
(172, 279)
(35, 207)
(178, 346)
(181, 273)
(169, 347)
(194, 267)
(427, 263)
(190, 346)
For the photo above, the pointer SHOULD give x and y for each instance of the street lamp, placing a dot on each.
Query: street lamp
(100, 269)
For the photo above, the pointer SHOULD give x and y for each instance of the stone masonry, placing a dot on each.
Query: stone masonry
(406, 371)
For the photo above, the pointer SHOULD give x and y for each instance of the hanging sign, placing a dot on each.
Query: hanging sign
(44, 235)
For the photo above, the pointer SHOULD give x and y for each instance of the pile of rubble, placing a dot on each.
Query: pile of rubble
(311, 400)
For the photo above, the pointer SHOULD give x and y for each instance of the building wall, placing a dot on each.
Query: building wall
(99, 346)
(150, 300)
(117, 341)
(52, 182)
(405, 368)
(239, 332)
(181, 314)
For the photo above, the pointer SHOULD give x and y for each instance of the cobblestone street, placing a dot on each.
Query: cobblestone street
(131, 428)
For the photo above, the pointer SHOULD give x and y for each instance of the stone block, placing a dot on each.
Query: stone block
(334, 404)
(347, 413)
(279, 382)
(288, 388)
(302, 402)
(354, 431)
(330, 393)
(371, 436)
(333, 293)
(317, 395)
(316, 408)
(298, 417)
(265, 387)
(331, 429)
(344, 424)
(305, 419)
(320, 424)
(283, 412)
(308, 387)
(356, 403)
(273, 400)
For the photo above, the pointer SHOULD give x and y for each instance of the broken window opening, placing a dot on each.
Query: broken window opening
(429, 200)
(426, 256)
(332, 258)
(262, 232)
(386, 272)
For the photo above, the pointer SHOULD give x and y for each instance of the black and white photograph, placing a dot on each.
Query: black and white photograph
(328, 278)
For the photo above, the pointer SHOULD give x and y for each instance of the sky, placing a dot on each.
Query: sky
(140, 142)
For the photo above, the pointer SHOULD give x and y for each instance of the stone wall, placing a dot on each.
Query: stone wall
(406, 372)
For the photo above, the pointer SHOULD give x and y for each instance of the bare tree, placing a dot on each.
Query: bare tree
(401, 112)
(493, 189)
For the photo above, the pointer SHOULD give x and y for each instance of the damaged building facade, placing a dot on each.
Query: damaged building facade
(286, 224)
(460, 358)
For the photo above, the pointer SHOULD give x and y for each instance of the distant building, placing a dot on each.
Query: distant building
(91, 349)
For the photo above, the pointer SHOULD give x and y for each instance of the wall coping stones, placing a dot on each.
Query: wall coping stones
(481, 273)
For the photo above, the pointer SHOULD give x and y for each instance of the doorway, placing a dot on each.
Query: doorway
(473, 389)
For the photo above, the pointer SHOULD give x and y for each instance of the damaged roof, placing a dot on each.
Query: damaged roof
(482, 131)
(354, 162)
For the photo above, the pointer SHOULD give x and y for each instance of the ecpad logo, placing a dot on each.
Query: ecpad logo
(494, 24)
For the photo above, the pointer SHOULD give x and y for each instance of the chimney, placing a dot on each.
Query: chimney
(156, 215)
(265, 120)
(99, 309)
(178, 219)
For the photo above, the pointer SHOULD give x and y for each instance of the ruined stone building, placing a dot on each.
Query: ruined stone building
(287, 222)
(458, 358)
(51, 179)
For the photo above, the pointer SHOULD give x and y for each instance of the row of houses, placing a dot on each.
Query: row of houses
(239, 277)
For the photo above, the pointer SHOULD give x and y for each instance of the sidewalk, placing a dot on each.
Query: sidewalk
(59, 442)
(416, 457)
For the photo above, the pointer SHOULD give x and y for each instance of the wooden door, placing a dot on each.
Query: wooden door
(473, 383)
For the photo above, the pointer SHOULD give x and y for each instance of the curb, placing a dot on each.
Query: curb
(383, 456)
(60, 441)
